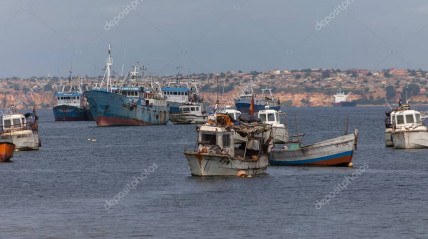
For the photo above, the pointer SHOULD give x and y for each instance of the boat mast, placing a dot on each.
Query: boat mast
(107, 73)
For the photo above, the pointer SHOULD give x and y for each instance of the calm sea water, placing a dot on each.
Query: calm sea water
(61, 190)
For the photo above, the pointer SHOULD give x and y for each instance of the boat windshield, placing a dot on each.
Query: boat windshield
(210, 139)
(400, 119)
(263, 117)
(418, 118)
(409, 119)
(271, 117)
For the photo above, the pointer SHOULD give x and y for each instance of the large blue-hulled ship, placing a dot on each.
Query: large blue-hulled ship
(128, 104)
(243, 101)
(70, 104)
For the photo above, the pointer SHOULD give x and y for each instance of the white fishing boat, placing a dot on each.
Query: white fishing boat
(192, 113)
(408, 131)
(333, 152)
(272, 117)
(20, 129)
(218, 154)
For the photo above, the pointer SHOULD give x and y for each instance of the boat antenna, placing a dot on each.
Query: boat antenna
(388, 104)
(217, 101)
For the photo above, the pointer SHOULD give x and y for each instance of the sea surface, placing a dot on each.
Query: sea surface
(62, 190)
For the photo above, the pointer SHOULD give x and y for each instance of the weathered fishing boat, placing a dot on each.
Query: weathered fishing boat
(333, 152)
(407, 130)
(6, 151)
(126, 105)
(71, 104)
(20, 129)
(272, 117)
(217, 152)
(192, 113)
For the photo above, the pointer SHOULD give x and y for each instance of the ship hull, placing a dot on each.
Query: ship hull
(345, 104)
(203, 164)
(334, 152)
(110, 109)
(188, 119)
(6, 151)
(71, 113)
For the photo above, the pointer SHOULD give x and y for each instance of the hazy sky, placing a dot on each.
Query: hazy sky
(42, 37)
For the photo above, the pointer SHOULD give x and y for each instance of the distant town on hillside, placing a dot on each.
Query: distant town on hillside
(306, 87)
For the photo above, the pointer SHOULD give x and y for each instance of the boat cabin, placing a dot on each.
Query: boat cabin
(406, 118)
(130, 92)
(235, 114)
(72, 98)
(215, 138)
(269, 116)
(191, 109)
(13, 122)
(176, 94)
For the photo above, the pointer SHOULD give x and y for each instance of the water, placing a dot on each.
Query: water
(61, 190)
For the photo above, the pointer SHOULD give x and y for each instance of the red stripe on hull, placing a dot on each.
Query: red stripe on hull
(115, 121)
(341, 161)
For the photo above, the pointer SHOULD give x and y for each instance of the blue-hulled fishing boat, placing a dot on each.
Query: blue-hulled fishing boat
(70, 103)
(243, 101)
(126, 105)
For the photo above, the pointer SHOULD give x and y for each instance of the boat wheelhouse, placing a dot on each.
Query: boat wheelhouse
(273, 117)
(190, 114)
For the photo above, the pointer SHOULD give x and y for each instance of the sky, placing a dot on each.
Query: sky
(48, 37)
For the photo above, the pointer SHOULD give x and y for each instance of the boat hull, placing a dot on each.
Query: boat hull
(345, 104)
(24, 140)
(203, 164)
(188, 119)
(71, 113)
(334, 152)
(388, 138)
(110, 109)
(410, 139)
(6, 151)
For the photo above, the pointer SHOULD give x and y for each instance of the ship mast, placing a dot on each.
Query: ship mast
(107, 73)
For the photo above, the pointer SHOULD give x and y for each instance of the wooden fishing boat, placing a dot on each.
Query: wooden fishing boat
(218, 153)
(6, 151)
(333, 152)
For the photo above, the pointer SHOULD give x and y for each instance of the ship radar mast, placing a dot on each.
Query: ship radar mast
(108, 70)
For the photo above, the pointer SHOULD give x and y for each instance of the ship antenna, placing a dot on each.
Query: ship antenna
(217, 103)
